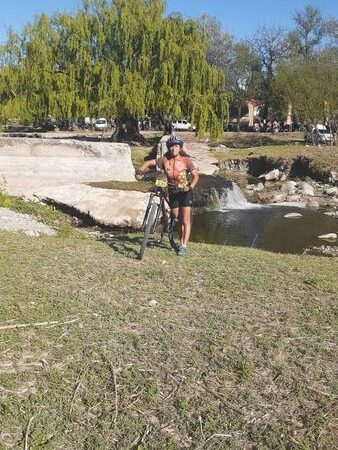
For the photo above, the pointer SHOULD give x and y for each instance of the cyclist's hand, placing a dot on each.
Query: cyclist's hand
(138, 175)
(187, 188)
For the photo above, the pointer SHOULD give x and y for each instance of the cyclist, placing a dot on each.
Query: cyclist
(176, 164)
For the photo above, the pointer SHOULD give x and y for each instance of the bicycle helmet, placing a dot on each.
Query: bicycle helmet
(173, 140)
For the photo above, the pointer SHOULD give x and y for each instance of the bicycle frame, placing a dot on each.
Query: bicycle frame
(158, 203)
(160, 198)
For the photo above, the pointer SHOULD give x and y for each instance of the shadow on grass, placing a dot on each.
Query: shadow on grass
(126, 242)
(128, 245)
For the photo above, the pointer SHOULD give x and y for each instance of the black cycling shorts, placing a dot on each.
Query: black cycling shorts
(180, 199)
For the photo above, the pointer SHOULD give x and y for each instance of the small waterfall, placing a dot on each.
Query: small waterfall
(229, 198)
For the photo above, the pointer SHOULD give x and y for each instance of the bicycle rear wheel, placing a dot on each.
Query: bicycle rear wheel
(147, 229)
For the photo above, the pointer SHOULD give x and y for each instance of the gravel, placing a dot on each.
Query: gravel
(13, 221)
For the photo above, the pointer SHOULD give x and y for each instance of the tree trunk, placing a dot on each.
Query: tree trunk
(127, 130)
(239, 113)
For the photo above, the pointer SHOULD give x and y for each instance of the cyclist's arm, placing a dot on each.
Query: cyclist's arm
(194, 179)
(145, 166)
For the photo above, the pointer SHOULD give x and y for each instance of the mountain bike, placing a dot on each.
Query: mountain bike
(158, 209)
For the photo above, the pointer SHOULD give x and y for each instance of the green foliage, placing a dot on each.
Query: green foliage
(5, 200)
(311, 86)
(118, 58)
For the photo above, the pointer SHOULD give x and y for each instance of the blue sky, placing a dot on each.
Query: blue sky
(241, 17)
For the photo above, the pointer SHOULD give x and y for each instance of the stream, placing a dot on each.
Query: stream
(234, 221)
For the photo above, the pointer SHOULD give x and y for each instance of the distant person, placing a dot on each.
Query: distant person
(169, 128)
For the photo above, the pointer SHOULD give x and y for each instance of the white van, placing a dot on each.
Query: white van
(317, 134)
(182, 125)
(101, 124)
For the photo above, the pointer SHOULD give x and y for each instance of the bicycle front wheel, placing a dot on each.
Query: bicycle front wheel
(147, 229)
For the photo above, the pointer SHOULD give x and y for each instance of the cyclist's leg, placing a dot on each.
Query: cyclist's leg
(174, 213)
(185, 216)
(186, 201)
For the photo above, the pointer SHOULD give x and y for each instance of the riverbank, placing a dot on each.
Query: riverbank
(98, 351)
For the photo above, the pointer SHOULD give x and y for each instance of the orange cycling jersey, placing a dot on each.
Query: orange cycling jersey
(176, 169)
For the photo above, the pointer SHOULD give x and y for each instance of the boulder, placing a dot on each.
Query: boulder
(329, 236)
(17, 222)
(277, 198)
(283, 177)
(332, 214)
(323, 250)
(29, 164)
(333, 176)
(289, 187)
(109, 207)
(305, 189)
(271, 176)
(294, 198)
(331, 191)
(313, 203)
(293, 215)
(258, 187)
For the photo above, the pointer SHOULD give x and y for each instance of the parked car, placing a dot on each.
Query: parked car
(182, 125)
(317, 134)
(101, 124)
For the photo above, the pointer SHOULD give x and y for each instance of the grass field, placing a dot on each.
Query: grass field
(238, 352)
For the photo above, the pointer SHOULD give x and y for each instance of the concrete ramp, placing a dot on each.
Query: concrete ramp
(30, 164)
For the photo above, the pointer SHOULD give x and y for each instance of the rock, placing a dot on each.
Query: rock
(313, 203)
(332, 214)
(14, 221)
(152, 303)
(323, 250)
(331, 191)
(329, 236)
(283, 177)
(250, 194)
(30, 164)
(289, 187)
(333, 176)
(277, 198)
(305, 188)
(293, 215)
(271, 176)
(293, 198)
(30, 233)
(110, 207)
(259, 187)
(250, 187)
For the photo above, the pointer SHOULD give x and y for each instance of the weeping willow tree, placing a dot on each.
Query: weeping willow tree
(113, 58)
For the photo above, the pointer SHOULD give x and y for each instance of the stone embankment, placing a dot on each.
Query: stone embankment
(299, 167)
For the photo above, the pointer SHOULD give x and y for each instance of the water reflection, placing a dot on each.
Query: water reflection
(264, 228)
